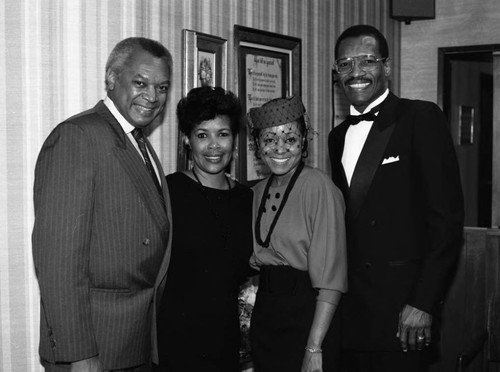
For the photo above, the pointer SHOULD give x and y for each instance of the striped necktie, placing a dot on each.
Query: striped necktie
(139, 137)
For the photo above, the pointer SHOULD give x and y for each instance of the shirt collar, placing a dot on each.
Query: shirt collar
(126, 126)
(378, 101)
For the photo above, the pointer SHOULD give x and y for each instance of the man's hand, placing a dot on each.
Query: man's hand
(87, 365)
(414, 328)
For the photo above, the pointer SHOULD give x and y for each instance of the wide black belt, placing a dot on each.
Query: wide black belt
(284, 280)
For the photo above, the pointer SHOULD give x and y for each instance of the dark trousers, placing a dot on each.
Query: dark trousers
(281, 321)
(390, 361)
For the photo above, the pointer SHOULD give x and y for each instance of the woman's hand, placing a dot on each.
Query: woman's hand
(323, 314)
(313, 362)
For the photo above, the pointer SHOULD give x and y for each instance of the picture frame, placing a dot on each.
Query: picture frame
(268, 66)
(204, 63)
(340, 104)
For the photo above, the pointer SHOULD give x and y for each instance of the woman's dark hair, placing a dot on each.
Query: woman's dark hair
(206, 103)
(364, 30)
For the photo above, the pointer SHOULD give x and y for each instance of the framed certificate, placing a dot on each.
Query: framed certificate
(269, 66)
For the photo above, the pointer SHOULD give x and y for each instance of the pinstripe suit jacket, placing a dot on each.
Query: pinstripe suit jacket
(101, 243)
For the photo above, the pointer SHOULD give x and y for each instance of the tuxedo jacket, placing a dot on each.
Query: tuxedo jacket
(101, 243)
(404, 220)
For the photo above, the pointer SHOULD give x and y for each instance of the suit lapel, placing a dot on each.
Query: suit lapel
(166, 200)
(371, 155)
(337, 141)
(163, 181)
(133, 165)
(162, 273)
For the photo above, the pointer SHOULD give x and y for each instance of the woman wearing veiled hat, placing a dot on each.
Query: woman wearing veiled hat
(299, 247)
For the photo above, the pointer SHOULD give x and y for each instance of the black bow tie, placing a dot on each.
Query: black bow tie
(369, 116)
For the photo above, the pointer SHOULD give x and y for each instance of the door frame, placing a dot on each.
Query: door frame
(475, 52)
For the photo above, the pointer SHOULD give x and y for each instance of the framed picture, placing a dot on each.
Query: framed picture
(204, 64)
(269, 66)
(340, 104)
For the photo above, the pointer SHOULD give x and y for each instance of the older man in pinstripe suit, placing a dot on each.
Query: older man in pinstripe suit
(101, 241)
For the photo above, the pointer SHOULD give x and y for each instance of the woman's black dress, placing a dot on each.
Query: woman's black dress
(211, 247)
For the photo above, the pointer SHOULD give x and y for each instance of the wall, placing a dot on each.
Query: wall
(457, 23)
(52, 57)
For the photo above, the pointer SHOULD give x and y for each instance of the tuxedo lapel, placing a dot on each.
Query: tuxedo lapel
(337, 142)
(371, 155)
(131, 161)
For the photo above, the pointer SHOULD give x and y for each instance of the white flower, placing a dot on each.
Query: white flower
(248, 294)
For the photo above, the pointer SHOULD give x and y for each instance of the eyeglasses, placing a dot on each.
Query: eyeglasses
(366, 62)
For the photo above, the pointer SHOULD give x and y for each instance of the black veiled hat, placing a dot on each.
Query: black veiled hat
(276, 112)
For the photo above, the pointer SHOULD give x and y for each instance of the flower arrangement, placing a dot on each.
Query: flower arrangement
(246, 301)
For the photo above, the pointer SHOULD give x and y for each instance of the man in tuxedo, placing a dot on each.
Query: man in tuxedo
(101, 241)
(398, 171)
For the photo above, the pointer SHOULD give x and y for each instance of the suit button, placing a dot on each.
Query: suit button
(373, 223)
(146, 241)
(368, 265)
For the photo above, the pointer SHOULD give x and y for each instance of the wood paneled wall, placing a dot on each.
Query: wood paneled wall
(466, 306)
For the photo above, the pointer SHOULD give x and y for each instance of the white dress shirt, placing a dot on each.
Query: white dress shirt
(355, 138)
(128, 128)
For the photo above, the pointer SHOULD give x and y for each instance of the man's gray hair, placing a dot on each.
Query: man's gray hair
(121, 53)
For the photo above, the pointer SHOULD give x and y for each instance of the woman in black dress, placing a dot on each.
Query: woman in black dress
(212, 241)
